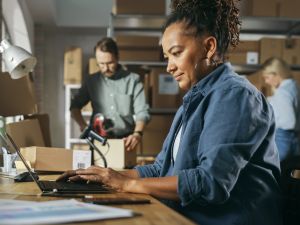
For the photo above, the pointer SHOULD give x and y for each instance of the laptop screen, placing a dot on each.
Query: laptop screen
(6, 137)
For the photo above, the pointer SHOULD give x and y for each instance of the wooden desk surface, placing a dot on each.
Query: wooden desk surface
(153, 213)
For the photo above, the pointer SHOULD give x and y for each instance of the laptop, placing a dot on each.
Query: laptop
(53, 187)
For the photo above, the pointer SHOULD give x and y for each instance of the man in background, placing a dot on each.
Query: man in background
(116, 95)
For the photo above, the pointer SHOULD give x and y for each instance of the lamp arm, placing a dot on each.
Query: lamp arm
(97, 150)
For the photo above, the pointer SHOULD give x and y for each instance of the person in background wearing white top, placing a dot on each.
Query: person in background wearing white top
(286, 105)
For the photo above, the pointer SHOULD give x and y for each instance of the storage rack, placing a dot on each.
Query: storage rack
(152, 24)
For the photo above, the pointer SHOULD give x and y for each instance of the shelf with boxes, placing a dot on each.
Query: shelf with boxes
(136, 23)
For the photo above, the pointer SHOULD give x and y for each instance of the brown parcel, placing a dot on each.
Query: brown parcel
(56, 159)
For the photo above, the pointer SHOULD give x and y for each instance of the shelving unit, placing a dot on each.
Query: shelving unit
(250, 25)
(72, 131)
(151, 25)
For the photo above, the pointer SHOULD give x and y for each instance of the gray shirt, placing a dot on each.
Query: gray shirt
(286, 105)
(120, 98)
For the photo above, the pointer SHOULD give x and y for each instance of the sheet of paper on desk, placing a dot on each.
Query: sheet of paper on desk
(60, 211)
(11, 202)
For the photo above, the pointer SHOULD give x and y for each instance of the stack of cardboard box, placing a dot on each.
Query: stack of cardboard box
(142, 7)
(270, 8)
(287, 49)
(247, 52)
(73, 65)
(138, 48)
(33, 131)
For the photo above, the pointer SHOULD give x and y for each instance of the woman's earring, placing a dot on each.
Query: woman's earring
(213, 63)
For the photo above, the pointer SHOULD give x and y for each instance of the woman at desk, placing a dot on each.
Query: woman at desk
(219, 163)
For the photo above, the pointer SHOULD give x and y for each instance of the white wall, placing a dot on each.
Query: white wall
(83, 13)
(19, 23)
(54, 42)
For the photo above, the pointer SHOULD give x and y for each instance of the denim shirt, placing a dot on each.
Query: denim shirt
(227, 163)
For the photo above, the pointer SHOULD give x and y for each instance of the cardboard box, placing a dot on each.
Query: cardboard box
(56, 159)
(257, 80)
(155, 133)
(259, 8)
(139, 54)
(291, 51)
(296, 76)
(246, 46)
(17, 96)
(138, 41)
(165, 90)
(116, 155)
(93, 66)
(243, 58)
(289, 8)
(87, 108)
(247, 52)
(26, 133)
(44, 122)
(270, 47)
(142, 7)
(80, 146)
(73, 65)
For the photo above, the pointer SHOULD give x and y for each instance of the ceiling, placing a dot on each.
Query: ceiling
(70, 13)
(96, 14)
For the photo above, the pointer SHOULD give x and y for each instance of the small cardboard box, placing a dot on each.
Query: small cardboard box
(139, 54)
(289, 8)
(44, 122)
(93, 66)
(257, 80)
(56, 159)
(73, 65)
(137, 41)
(246, 46)
(291, 51)
(251, 58)
(165, 90)
(155, 133)
(259, 8)
(26, 133)
(116, 155)
(142, 7)
(247, 52)
(17, 96)
(270, 47)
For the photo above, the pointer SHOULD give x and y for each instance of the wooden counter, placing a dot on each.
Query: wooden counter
(153, 213)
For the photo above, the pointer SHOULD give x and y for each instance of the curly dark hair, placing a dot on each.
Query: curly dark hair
(219, 18)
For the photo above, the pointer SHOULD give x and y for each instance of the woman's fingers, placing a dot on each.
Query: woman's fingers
(66, 175)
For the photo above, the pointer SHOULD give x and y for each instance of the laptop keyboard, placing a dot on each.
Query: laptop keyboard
(50, 185)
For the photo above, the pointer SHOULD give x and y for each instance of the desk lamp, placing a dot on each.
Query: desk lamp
(17, 60)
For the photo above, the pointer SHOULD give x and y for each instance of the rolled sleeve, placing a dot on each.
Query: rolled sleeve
(141, 108)
(152, 170)
(81, 98)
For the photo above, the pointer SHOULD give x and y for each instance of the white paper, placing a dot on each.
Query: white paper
(60, 211)
(167, 85)
(11, 202)
(81, 159)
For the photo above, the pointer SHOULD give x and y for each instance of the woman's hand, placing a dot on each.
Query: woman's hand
(70, 175)
(107, 176)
